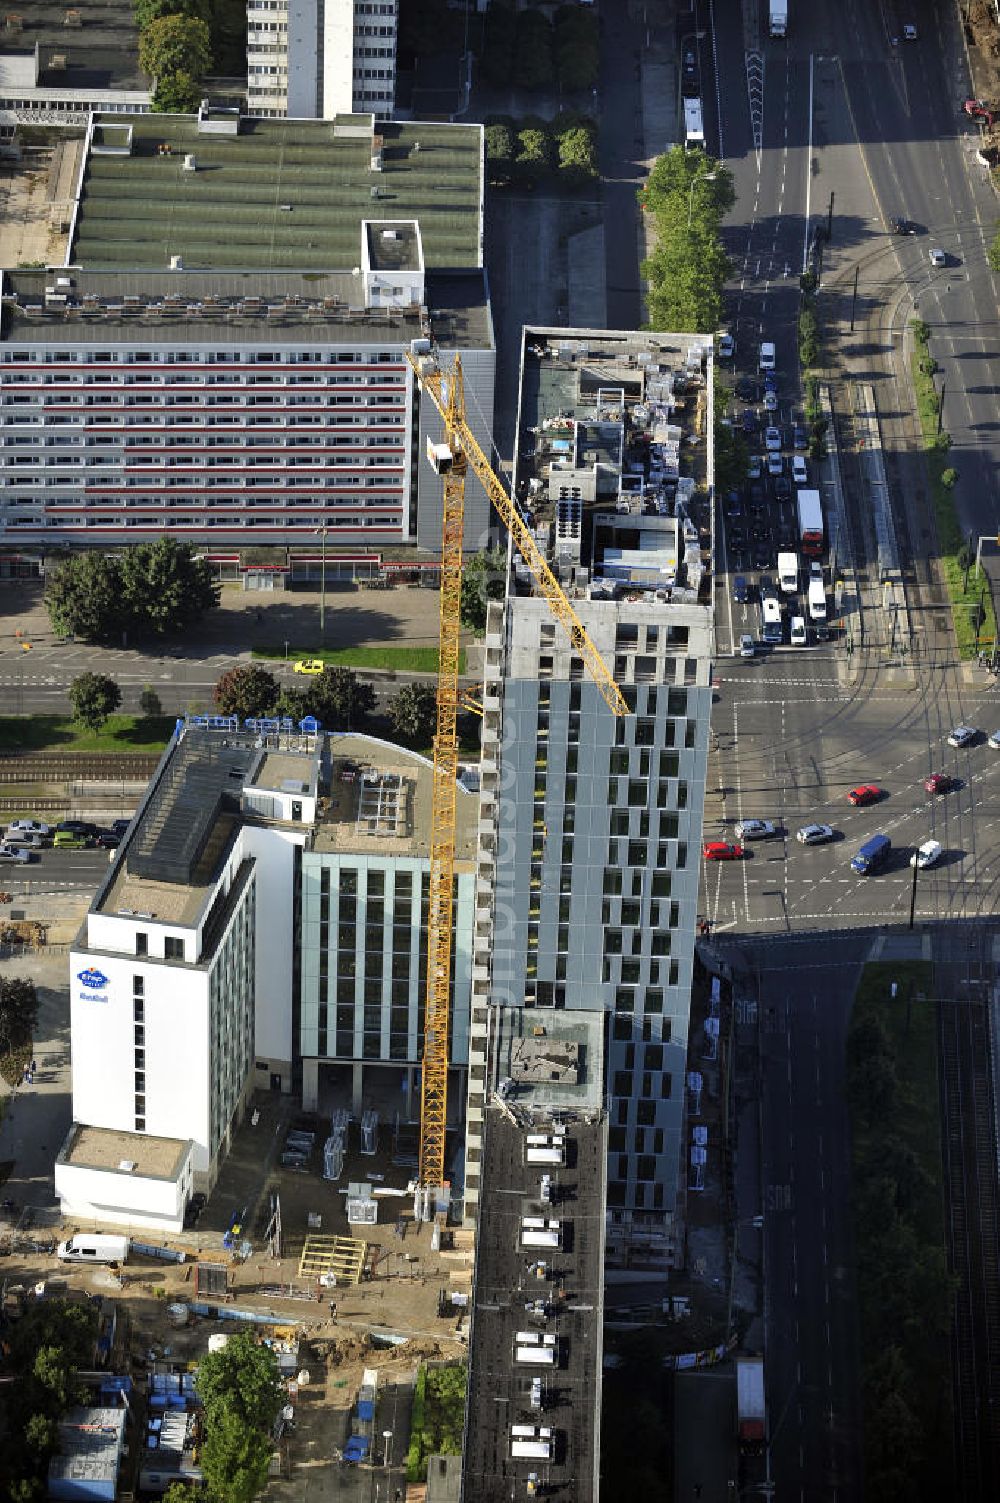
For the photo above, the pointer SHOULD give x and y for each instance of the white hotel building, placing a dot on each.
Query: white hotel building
(260, 928)
(321, 58)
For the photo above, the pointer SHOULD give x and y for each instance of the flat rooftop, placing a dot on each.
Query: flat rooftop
(281, 194)
(380, 803)
(102, 52)
(393, 246)
(188, 308)
(558, 1066)
(545, 1293)
(102, 1148)
(612, 455)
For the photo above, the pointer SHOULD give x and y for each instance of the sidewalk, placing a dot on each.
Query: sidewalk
(36, 1117)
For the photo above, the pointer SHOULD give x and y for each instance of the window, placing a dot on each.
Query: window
(173, 947)
(141, 943)
(138, 986)
(138, 1010)
(623, 1083)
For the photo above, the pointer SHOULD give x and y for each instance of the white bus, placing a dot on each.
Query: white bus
(694, 128)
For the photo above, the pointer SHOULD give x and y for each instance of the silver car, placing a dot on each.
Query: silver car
(16, 854)
(962, 735)
(928, 854)
(754, 829)
(814, 834)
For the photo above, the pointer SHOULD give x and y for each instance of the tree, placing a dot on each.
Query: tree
(499, 139)
(40, 1435)
(150, 703)
(577, 153)
(577, 48)
(167, 587)
(83, 597)
(183, 1492)
(175, 44)
(94, 697)
(484, 578)
(339, 699)
(533, 158)
(177, 93)
(147, 11)
(533, 65)
(53, 1373)
(496, 64)
(242, 1377)
(235, 1458)
(246, 692)
(413, 713)
(18, 1010)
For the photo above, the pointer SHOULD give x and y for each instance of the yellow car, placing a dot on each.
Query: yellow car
(309, 665)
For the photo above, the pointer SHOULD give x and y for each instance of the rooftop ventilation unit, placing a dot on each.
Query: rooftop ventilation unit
(190, 163)
(176, 263)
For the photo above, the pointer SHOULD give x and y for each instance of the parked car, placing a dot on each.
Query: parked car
(756, 467)
(734, 504)
(71, 840)
(939, 782)
(783, 488)
(800, 472)
(120, 826)
(800, 438)
(749, 420)
(978, 109)
(722, 850)
(30, 827)
(928, 854)
(727, 346)
(770, 401)
(75, 827)
(740, 589)
(754, 829)
(107, 840)
(24, 840)
(814, 834)
(746, 389)
(772, 438)
(865, 793)
(775, 464)
(308, 665)
(747, 648)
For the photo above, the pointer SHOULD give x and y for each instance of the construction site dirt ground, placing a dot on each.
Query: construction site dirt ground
(396, 1301)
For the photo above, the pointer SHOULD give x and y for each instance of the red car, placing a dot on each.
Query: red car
(722, 850)
(867, 793)
(938, 782)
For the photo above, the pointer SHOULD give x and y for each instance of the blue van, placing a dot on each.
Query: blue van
(872, 855)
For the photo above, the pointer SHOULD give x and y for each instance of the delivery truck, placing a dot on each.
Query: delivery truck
(788, 573)
(817, 600)
(778, 10)
(810, 510)
(750, 1408)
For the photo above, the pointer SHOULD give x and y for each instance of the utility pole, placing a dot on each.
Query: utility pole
(913, 890)
(854, 299)
(941, 408)
(829, 218)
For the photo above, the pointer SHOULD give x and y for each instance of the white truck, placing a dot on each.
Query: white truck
(778, 11)
(93, 1247)
(788, 573)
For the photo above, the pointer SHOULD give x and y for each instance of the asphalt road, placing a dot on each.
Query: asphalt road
(57, 871)
(805, 990)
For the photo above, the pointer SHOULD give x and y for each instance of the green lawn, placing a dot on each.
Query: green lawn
(903, 1286)
(122, 733)
(963, 601)
(395, 659)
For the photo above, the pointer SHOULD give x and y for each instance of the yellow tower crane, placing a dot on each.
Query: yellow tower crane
(452, 459)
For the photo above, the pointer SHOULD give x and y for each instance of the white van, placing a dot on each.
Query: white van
(22, 840)
(767, 359)
(93, 1247)
(817, 600)
(798, 637)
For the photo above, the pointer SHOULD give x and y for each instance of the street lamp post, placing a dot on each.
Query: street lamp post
(322, 581)
(700, 177)
(387, 1437)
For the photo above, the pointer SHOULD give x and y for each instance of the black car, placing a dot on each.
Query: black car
(107, 840)
(736, 537)
(746, 389)
(741, 593)
(783, 488)
(903, 227)
(689, 73)
(757, 495)
(120, 826)
(734, 504)
(762, 557)
(76, 827)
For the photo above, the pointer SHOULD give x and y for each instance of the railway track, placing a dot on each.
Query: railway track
(111, 767)
(971, 1204)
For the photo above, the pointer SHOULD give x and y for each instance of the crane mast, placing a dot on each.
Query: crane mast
(452, 460)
